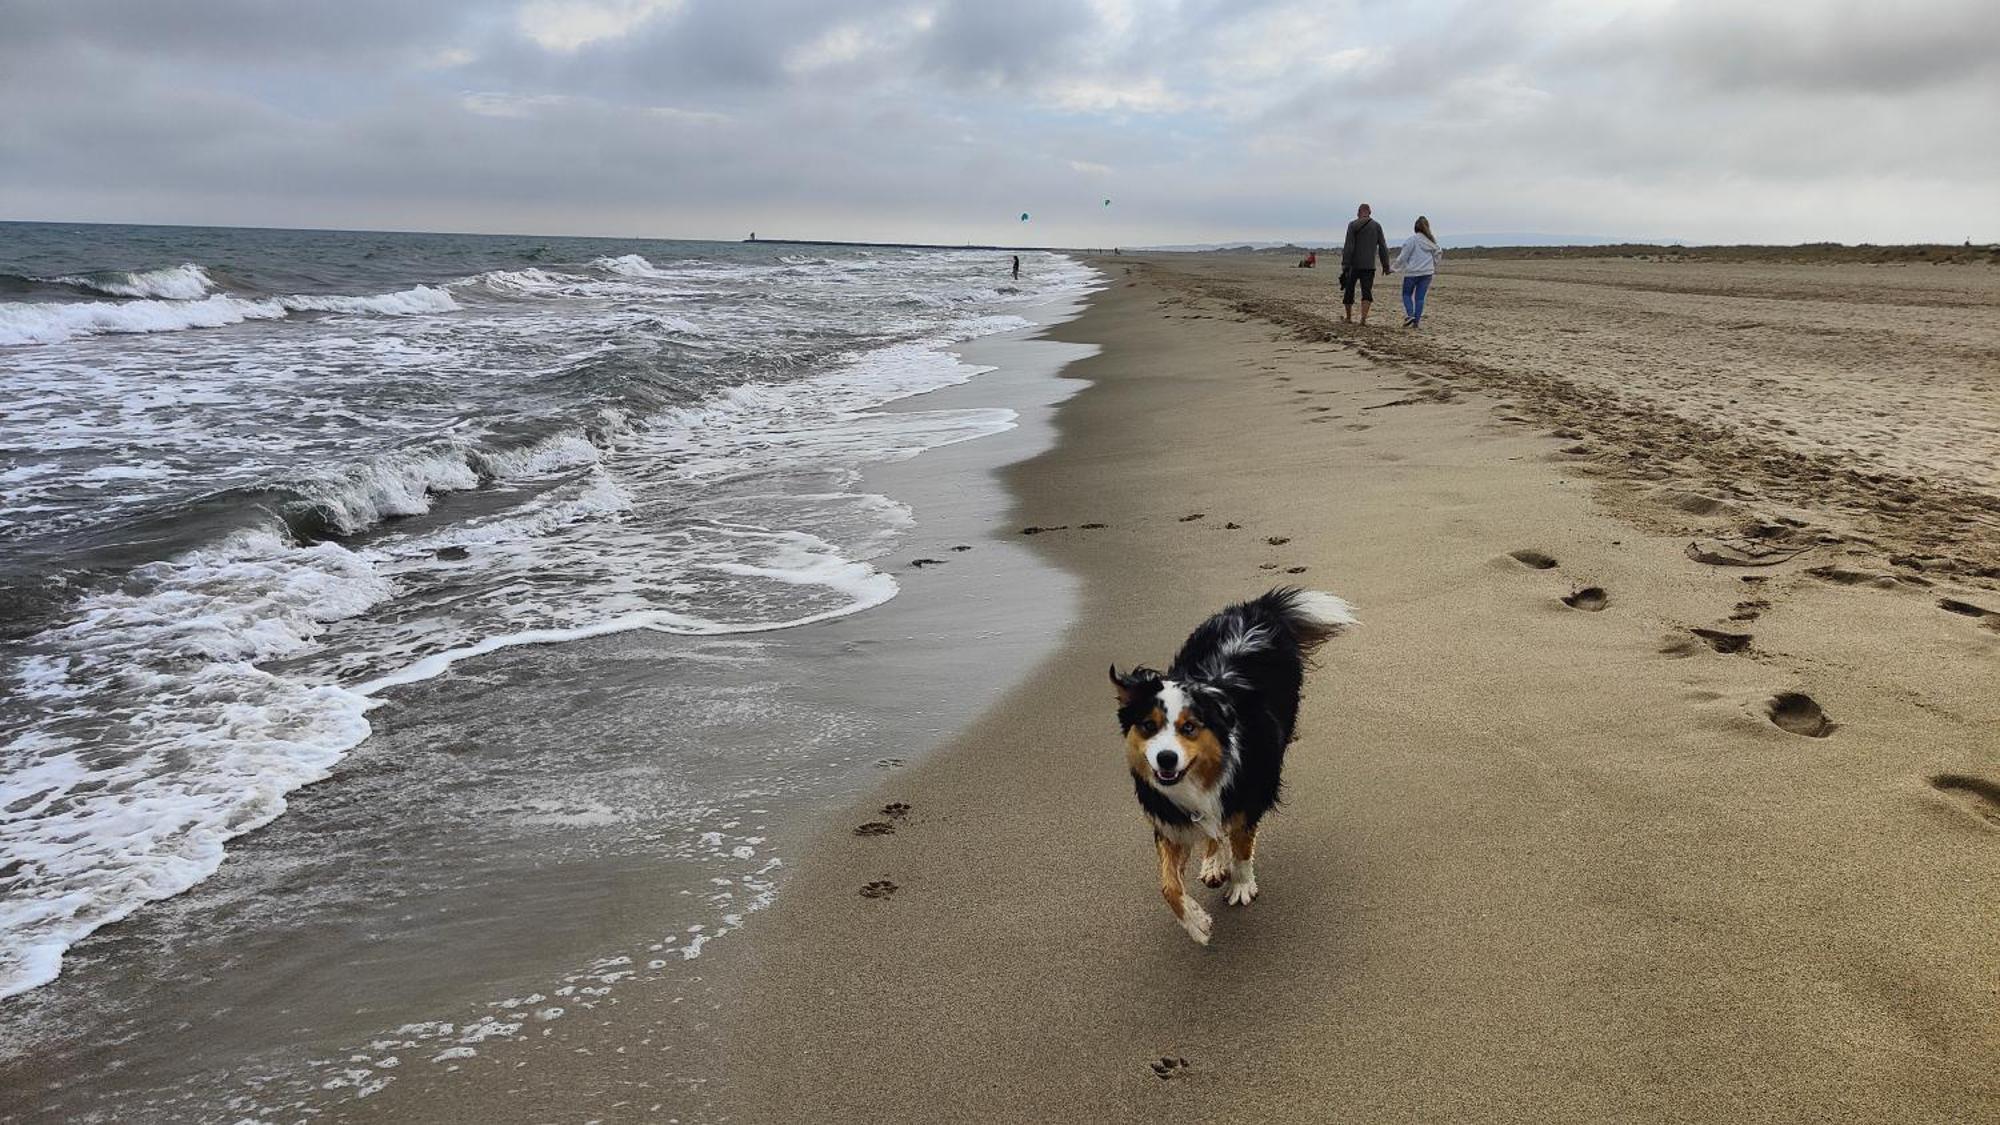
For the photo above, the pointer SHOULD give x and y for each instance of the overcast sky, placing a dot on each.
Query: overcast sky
(1202, 120)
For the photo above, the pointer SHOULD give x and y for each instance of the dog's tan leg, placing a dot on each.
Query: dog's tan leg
(1214, 862)
(1173, 858)
(1242, 871)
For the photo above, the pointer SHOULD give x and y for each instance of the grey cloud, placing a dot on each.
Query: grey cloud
(238, 32)
(1700, 120)
(1839, 47)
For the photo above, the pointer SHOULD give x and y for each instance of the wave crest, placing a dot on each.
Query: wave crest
(52, 323)
(185, 282)
(630, 265)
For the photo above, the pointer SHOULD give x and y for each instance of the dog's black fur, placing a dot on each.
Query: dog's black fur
(1244, 670)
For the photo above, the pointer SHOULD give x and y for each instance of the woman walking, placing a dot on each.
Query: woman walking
(1417, 261)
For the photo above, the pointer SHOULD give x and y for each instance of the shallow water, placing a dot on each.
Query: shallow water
(254, 478)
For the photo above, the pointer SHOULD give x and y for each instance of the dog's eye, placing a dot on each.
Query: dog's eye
(1149, 728)
(1188, 727)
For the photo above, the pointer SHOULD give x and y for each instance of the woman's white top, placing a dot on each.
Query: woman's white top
(1419, 256)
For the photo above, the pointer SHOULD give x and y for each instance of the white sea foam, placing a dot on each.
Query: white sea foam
(359, 496)
(220, 741)
(630, 265)
(528, 282)
(185, 282)
(48, 323)
(410, 302)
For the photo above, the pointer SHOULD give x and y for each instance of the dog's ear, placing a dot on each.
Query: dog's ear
(1123, 685)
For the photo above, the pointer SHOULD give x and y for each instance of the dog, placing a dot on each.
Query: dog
(1205, 741)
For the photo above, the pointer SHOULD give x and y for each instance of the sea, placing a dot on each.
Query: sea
(253, 482)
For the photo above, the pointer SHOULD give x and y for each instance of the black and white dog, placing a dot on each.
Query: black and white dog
(1206, 741)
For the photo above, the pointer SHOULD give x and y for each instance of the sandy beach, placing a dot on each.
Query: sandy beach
(1661, 782)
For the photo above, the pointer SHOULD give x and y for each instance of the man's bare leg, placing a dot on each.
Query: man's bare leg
(1364, 312)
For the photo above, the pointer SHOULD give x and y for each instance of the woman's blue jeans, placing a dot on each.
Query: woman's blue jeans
(1414, 289)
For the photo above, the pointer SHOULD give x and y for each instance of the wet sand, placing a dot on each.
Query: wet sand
(1580, 827)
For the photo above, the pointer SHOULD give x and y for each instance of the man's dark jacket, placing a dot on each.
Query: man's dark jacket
(1365, 243)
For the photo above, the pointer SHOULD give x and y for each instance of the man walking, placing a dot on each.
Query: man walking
(1365, 245)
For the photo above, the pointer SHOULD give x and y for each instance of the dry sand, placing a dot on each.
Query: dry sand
(1541, 860)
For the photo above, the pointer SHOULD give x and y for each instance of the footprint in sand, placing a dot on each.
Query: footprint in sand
(1167, 1066)
(1267, 566)
(875, 828)
(963, 547)
(888, 763)
(1278, 540)
(1980, 796)
(1092, 526)
(1988, 618)
(896, 810)
(1232, 525)
(1799, 713)
(1590, 599)
(1534, 560)
(1679, 646)
(880, 888)
(1723, 642)
(1040, 530)
(1750, 610)
(1193, 516)
(1295, 570)
(919, 564)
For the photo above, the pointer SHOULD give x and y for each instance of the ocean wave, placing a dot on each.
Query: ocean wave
(53, 323)
(787, 558)
(630, 265)
(185, 282)
(530, 282)
(99, 822)
(50, 323)
(356, 497)
(410, 302)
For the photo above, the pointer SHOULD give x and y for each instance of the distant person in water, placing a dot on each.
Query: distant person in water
(1418, 261)
(1365, 245)
(1017, 267)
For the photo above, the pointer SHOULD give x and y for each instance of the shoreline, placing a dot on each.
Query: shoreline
(560, 952)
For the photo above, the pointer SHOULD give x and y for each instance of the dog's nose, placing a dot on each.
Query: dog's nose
(1167, 760)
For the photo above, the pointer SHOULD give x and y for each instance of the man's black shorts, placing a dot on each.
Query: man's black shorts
(1347, 281)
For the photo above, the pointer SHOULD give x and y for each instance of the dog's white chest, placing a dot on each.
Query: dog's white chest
(1203, 808)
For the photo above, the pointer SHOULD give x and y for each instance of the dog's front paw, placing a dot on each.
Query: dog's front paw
(1243, 893)
(1195, 921)
(1214, 872)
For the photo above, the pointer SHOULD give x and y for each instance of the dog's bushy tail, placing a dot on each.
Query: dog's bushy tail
(1313, 616)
